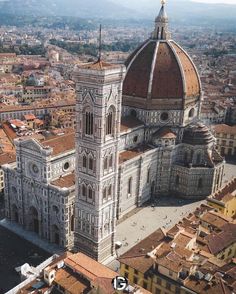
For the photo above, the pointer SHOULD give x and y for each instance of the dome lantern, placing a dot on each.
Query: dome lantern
(161, 24)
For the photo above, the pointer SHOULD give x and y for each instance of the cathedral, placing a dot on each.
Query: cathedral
(138, 138)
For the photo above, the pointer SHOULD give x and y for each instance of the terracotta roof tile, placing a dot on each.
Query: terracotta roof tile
(225, 129)
(164, 87)
(90, 268)
(130, 154)
(7, 158)
(61, 144)
(65, 182)
(129, 122)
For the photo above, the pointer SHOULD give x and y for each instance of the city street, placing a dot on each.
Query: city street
(14, 252)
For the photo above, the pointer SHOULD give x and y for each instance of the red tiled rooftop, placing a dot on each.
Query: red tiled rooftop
(88, 267)
(129, 122)
(61, 144)
(65, 182)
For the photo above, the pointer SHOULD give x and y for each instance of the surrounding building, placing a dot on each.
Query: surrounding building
(197, 255)
(224, 200)
(226, 139)
(71, 274)
(138, 137)
(5, 158)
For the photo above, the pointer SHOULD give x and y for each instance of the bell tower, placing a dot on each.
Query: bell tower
(98, 108)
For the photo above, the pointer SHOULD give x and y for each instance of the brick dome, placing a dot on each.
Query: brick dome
(160, 75)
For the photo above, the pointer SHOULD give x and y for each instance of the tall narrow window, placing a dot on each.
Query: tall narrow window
(104, 194)
(84, 161)
(105, 163)
(90, 193)
(84, 191)
(91, 163)
(130, 186)
(109, 191)
(72, 223)
(148, 176)
(199, 185)
(198, 158)
(88, 123)
(177, 181)
(109, 122)
(110, 161)
(185, 156)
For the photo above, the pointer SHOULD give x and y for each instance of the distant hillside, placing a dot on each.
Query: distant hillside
(79, 8)
(182, 11)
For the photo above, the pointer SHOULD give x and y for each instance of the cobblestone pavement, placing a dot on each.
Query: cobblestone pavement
(14, 252)
(164, 214)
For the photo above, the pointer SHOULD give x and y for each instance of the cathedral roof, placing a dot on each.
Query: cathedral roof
(65, 182)
(61, 144)
(197, 134)
(160, 74)
(165, 133)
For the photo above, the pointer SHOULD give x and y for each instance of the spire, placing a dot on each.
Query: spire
(161, 24)
(100, 44)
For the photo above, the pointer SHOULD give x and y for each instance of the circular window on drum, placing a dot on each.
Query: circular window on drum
(66, 166)
(164, 116)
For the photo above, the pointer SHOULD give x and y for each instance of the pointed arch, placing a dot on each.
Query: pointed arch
(72, 223)
(200, 183)
(88, 121)
(84, 161)
(90, 193)
(130, 185)
(91, 162)
(84, 190)
(110, 121)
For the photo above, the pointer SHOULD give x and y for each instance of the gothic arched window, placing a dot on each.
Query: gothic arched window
(110, 161)
(109, 191)
(130, 186)
(186, 156)
(84, 191)
(84, 161)
(105, 163)
(200, 184)
(109, 122)
(90, 193)
(198, 158)
(177, 181)
(72, 223)
(88, 123)
(104, 194)
(91, 163)
(191, 112)
(148, 176)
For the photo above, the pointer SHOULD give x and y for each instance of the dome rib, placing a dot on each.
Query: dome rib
(192, 79)
(160, 75)
(152, 70)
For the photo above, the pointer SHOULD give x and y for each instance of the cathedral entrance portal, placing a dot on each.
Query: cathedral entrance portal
(34, 220)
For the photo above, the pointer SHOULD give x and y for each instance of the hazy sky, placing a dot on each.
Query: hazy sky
(217, 1)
